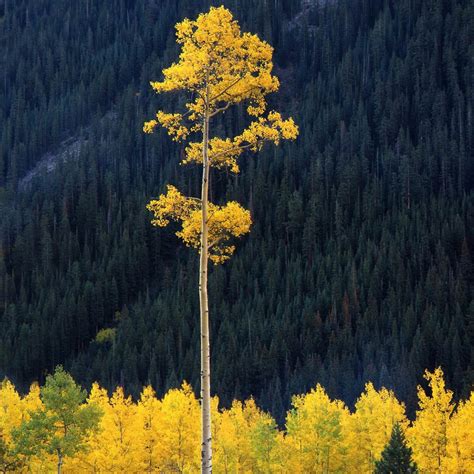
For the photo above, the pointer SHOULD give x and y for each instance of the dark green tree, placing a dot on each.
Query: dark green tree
(396, 456)
(63, 424)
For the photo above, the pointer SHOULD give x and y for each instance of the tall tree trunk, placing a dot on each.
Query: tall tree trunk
(206, 450)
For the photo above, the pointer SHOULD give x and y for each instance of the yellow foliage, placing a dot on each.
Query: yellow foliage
(428, 435)
(460, 439)
(114, 448)
(370, 427)
(223, 153)
(148, 416)
(153, 435)
(224, 222)
(314, 440)
(11, 410)
(172, 122)
(178, 427)
(220, 64)
(105, 335)
(245, 440)
(222, 67)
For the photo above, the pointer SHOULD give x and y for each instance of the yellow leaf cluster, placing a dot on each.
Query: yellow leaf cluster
(172, 206)
(315, 438)
(371, 425)
(173, 124)
(246, 439)
(224, 222)
(460, 439)
(428, 435)
(219, 64)
(223, 153)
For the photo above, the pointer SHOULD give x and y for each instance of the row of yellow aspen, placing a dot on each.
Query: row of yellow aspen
(320, 436)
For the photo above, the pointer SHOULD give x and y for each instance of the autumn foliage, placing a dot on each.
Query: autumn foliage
(218, 67)
(320, 435)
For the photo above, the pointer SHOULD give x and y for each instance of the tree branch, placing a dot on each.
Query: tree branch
(244, 147)
(226, 89)
(220, 109)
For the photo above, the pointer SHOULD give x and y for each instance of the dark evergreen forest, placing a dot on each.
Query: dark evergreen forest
(359, 264)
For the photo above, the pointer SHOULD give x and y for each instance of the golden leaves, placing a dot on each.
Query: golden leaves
(172, 122)
(428, 436)
(224, 222)
(221, 67)
(172, 205)
(223, 153)
(321, 435)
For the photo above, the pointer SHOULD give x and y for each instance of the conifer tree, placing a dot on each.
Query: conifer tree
(396, 456)
(218, 67)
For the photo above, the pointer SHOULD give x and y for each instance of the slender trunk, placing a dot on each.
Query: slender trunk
(60, 461)
(206, 437)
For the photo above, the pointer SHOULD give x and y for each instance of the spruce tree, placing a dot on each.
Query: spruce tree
(396, 456)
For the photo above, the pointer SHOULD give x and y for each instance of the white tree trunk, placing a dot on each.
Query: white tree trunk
(206, 438)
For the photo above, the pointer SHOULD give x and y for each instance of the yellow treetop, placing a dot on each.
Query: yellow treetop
(314, 439)
(221, 66)
(370, 427)
(428, 435)
(225, 222)
(246, 439)
(235, 66)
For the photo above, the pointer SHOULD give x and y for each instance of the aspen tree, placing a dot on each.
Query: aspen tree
(428, 435)
(370, 427)
(62, 425)
(460, 436)
(218, 66)
(314, 439)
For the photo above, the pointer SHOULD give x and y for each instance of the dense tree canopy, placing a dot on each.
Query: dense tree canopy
(153, 434)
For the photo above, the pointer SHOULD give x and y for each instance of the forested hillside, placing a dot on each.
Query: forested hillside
(359, 264)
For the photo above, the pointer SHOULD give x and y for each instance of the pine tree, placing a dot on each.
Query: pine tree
(396, 456)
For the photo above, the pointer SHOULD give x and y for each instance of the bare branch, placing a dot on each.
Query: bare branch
(221, 109)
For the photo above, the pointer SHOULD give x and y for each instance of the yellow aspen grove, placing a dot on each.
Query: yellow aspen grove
(321, 436)
(428, 435)
(218, 66)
